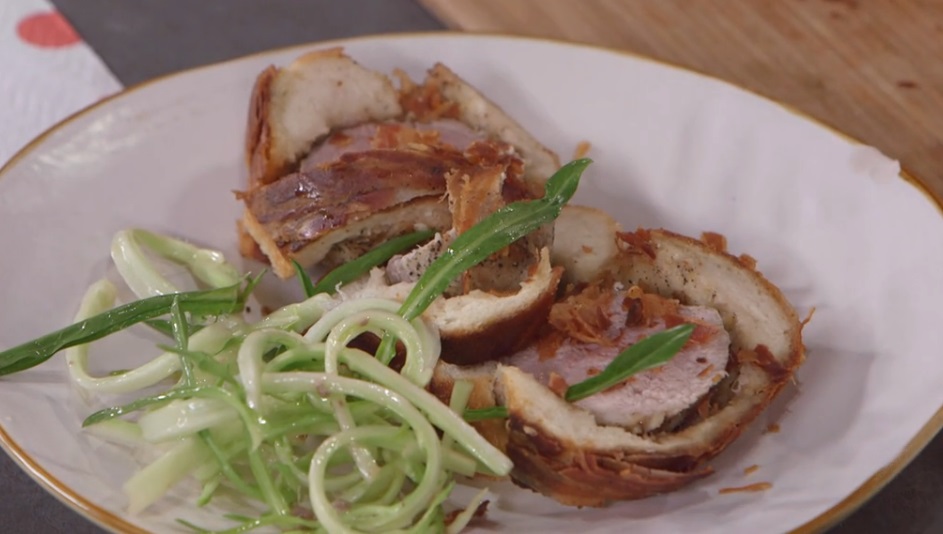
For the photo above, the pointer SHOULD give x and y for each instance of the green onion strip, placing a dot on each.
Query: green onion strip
(98, 299)
(208, 266)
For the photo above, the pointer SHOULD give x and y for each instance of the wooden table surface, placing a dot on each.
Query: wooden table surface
(871, 69)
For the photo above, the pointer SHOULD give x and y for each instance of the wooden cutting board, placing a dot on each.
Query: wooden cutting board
(870, 68)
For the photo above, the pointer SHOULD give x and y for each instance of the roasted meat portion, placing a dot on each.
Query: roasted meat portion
(588, 330)
(355, 201)
(341, 160)
(657, 431)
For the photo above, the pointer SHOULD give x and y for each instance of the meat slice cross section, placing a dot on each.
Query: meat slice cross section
(586, 339)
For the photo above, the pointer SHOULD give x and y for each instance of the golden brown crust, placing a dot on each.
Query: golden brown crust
(255, 232)
(262, 169)
(649, 242)
(422, 212)
(501, 338)
(459, 99)
(248, 248)
(578, 477)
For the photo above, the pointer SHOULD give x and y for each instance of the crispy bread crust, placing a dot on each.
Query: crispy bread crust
(560, 451)
(476, 110)
(478, 326)
(268, 157)
(474, 346)
(262, 169)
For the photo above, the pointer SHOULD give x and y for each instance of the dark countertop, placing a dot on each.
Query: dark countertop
(146, 38)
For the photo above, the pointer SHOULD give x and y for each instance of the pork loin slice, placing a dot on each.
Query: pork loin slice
(365, 196)
(325, 106)
(294, 107)
(409, 267)
(646, 400)
(445, 133)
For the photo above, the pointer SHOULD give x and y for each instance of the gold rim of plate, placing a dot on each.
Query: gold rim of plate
(820, 523)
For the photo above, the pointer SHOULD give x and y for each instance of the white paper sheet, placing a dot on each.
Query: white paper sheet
(48, 72)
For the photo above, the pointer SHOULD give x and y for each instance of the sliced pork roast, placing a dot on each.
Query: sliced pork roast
(586, 332)
(341, 160)
(656, 431)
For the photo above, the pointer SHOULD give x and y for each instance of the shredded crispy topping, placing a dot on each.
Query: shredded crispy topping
(557, 384)
(764, 359)
(397, 135)
(715, 241)
(747, 261)
(707, 370)
(586, 316)
(759, 486)
(639, 242)
(582, 149)
(424, 102)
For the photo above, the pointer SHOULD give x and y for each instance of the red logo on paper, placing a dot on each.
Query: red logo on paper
(47, 30)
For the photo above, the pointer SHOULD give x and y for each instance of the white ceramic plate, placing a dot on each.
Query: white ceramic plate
(830, 221)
